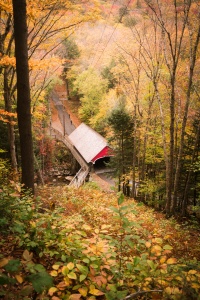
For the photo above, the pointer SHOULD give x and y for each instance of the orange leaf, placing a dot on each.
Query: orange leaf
(171, 261)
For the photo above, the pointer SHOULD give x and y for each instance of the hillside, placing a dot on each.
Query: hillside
(97, 245)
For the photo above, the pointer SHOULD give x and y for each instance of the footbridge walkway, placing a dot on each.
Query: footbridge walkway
(81, 175)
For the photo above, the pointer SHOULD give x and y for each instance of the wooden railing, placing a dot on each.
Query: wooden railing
(81, 175)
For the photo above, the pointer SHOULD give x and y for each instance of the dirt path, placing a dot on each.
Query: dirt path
(71, 107)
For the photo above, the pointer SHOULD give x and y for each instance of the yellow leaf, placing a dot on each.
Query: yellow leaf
(195, 285)
(86, 227)
(54, 273)
(92, 287)
(96, 231)
(70, 265)
(148, 279)
(67, 281)
(65, 270)
(171, 261)
(157, 248)
(95, 291)
(162, 282)
(179, 278)
(33, 224)
(163, 259)
(72, 275)
(52, 290)
(169, 290)
(3, 262)
(188, 278)
(192, 272)
(19, 278)
(166, 237)
(83, 291)
(158, 240)
(148, 244)
(55, 267)
(104, 226)
(75, 297)
(176, 291)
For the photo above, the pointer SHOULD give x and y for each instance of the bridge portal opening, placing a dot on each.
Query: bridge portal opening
(101, 163)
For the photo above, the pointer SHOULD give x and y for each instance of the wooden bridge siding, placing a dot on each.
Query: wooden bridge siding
(81, 175)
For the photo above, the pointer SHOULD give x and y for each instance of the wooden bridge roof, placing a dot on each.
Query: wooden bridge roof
(90, 144)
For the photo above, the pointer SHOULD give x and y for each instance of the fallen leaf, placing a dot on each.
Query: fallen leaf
(171, 261)
(3, 262)
(52, 290)
(19, 278)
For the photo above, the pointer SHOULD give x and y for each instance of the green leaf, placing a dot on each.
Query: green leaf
(76, 287)
(131, 244)
(64, 258)
(136, 261)
(83, 269)
(82, 277)
(124, 207)
(5, 279)
(129, 266)
(39, 268)
(120, 199)
(13, 266)
(121, 294)
(40, 281)
(167, 247)
(26, 291)
(114, 209)
(95, 266)
(151, 264)
(112, 287)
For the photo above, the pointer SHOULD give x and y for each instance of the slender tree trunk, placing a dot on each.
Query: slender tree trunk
(170, 175)
(38, 170)
(11, 133)
(23, 93)
(185, 197)
(134, 153)
(184, 122)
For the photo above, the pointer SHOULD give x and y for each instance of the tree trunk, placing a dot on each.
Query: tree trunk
(170, 175)
(23, 94)
(11, 133)
(184, 122)
(188, 179)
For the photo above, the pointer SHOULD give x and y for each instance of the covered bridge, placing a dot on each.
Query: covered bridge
(90, 144)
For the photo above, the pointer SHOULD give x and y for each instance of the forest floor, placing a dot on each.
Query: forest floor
(87, 211)
(183, 236)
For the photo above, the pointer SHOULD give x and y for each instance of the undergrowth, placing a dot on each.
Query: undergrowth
(85, 244)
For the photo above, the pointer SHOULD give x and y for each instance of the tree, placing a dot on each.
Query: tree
(23, 93)
(122, 143)
(180, 32)
(91, 88)
(71, 52)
